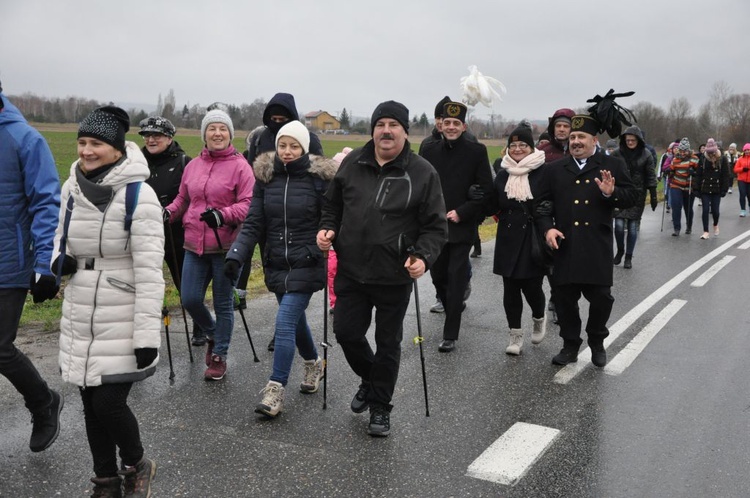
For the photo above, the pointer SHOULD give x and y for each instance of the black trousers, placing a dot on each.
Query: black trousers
(14, 365)
(351, 319)
(600, 306)
(531, 288)
(450, 275)
(111, 425)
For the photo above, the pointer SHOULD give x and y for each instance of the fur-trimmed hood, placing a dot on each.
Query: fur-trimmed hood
(320, 166)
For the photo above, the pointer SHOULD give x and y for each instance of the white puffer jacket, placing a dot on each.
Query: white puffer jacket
(114, 308)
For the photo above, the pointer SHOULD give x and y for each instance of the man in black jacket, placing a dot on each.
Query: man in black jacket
(582, 189)
(460, 164)
(385, 215)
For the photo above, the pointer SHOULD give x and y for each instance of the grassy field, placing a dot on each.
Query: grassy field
(62, 142)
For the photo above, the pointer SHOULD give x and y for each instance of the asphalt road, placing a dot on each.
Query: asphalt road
(668, 417)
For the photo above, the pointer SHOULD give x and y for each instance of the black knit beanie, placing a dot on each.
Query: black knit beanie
(522, 133)
(391, 109)
(108, 124)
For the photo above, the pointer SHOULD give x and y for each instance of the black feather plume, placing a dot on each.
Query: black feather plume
(610, 114)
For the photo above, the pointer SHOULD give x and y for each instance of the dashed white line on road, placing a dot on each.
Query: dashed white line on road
(744, 246)
(513, 453)
(630, 352)
(706, 276)
(570, 371)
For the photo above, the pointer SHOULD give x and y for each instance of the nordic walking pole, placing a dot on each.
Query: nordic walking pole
(242, 314)
(664, 209)
(419, 339)
(325, 344)
(168, 229)
(689, 216)
(166, 319)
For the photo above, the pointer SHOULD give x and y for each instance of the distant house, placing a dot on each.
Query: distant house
(322, 121)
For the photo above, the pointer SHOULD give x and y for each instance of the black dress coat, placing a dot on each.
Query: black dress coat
(513, 239)
(584, 215)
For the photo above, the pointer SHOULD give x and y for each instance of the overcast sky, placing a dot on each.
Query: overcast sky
(334, 54)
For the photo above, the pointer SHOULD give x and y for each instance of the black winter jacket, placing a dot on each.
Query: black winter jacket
(640, 164)
(712, 174)
(166, 171)
(376, 210)
(285, 213)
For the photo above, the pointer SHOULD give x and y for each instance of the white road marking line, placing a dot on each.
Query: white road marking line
(512, 454)
(630, 352)
(570, 371)
(744, 246)
(706, 276)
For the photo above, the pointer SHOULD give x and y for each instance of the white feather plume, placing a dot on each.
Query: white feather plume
(477, 87)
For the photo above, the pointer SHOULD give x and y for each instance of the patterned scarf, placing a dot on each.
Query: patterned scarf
(517, 186)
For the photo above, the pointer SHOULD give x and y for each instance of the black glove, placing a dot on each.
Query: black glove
(476, 193)
(212, 218)
(745, 169)
(723, 194)
(43, 289)
(166, 215)
(69, 265)
(232, 269)
(145, 356)
(652, 196)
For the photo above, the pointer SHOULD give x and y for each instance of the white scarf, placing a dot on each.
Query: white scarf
(517, 186)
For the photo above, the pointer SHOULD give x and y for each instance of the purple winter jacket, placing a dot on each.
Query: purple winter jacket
(222, 180)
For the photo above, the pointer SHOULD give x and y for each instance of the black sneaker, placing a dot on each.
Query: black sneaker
(46, 424)
(137, 479)
(380, 422)
(359, 401)
(198, 340)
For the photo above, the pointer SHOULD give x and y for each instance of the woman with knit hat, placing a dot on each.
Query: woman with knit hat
(212, 202)
(681, 171)
(285, 214)
(712, 180)
(514, 201)
(110, 329)
(742, 170)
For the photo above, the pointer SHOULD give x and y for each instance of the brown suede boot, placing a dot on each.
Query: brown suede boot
(107, 487)
(137, 479)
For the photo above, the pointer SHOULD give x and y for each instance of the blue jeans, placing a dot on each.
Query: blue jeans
(291, 329)
(196, 272)
(744, 188)
(14, 365)
(633, 227)
(711, 203)
(681, 200)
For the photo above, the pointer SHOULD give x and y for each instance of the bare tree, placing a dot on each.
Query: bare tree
(652, 120)
(737, 111)
(680, 119)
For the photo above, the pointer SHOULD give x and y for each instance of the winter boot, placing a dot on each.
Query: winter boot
(539, 330)
(628, 262)
(137, 479)
(107, 487)
(568, 354)
(312, 376)
(618, 257)
(273, 399)
(516, 342)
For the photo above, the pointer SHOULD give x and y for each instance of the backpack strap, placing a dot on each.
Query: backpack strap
(131, 200)
(64, 239)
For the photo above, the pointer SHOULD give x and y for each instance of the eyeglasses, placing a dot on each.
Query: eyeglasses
(155, 136)
(519, 146)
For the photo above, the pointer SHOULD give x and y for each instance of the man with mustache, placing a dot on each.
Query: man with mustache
(385, 216)
(465, 174)
(584, 188)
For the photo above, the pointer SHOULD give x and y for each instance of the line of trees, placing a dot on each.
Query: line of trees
(725, 117)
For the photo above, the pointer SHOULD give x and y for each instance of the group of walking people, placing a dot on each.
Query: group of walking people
(389, 213)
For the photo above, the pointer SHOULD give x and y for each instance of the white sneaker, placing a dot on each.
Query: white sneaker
(273, 399)
(437, 307)
(312, 376)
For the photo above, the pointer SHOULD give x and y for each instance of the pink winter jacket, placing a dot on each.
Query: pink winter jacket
(221, 180)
